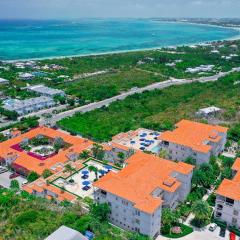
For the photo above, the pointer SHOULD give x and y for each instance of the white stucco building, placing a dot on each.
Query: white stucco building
(138, 192)
(227, 206)
(46, 91)
(27, 106)
(192, 139)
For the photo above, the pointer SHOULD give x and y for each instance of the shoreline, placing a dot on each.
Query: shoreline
(235, 38)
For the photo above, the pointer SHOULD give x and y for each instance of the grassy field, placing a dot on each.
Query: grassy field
(102, 87)
(158, 110)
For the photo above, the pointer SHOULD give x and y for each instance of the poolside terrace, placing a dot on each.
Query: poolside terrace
(140, 139)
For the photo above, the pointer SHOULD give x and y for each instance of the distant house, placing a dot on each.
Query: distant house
(66, 233)
(46, 91)
(3, 81)
(209, 111)
(23, 107)
(26, 76)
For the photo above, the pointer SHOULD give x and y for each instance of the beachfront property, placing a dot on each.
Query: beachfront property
(140, 139)
(3, 81)
(137, 193)
(46, 91)
(26, 152)
(227, 205)
(23, 107)
(193, 140)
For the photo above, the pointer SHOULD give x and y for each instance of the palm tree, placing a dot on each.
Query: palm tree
(84, 154)
(93, 169)
(70, 169)
(201, 211)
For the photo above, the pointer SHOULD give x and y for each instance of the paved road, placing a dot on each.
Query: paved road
(106, 102)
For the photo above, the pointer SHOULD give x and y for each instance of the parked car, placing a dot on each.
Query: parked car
(232, 236)
(14, 175)
(3, 170)
(222, 232)
(212, 227)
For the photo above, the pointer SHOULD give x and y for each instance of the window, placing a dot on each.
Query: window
(235, 212)
(229, 201)
(125, 203)
(234, 221)
(103, 192)
(218, 214)
(137, 221)
(137, 213)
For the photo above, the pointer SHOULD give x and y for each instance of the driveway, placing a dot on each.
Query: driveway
(5, 181)
(203, 234)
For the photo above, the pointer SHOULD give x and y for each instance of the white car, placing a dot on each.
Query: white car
(212, 227)
(3, 170)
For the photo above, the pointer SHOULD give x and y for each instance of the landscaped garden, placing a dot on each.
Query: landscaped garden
(41, 146)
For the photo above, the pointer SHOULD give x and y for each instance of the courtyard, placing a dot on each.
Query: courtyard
(80, 182)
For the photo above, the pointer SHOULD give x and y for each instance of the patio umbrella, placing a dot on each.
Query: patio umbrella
(85, 172)
(86, 183)
(108, 167)
(101, 171)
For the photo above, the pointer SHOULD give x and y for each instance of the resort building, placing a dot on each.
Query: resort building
(67, 184)
(227, 206)
(192, 139)
(137, 193)
(23, 107)
(3, 81)
(24, 155)
(46, 91)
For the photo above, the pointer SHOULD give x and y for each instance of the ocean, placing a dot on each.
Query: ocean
(30, 39)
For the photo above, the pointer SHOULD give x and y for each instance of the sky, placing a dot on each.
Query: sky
(64, 9)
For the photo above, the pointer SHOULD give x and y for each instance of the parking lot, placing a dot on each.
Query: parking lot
(202, 234)
(5, 181)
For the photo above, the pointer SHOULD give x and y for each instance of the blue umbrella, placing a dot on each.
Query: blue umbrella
(85, 172)
(86, 183)
(101, 171)
(108, 167)
(132, 142)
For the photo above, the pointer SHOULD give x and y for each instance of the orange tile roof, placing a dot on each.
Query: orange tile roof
(231, 188)
(143, 174)
(236, 165)
(40, 185)
(33, 164)
(111, 145)
(194, 135)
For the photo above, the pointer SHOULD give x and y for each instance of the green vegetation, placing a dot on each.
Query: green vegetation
(185, 230)
(26, 217)
(32, 176)
(24, 124)
(156, 110)
(202, 212)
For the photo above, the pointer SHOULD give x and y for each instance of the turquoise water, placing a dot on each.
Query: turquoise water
(44, 39)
